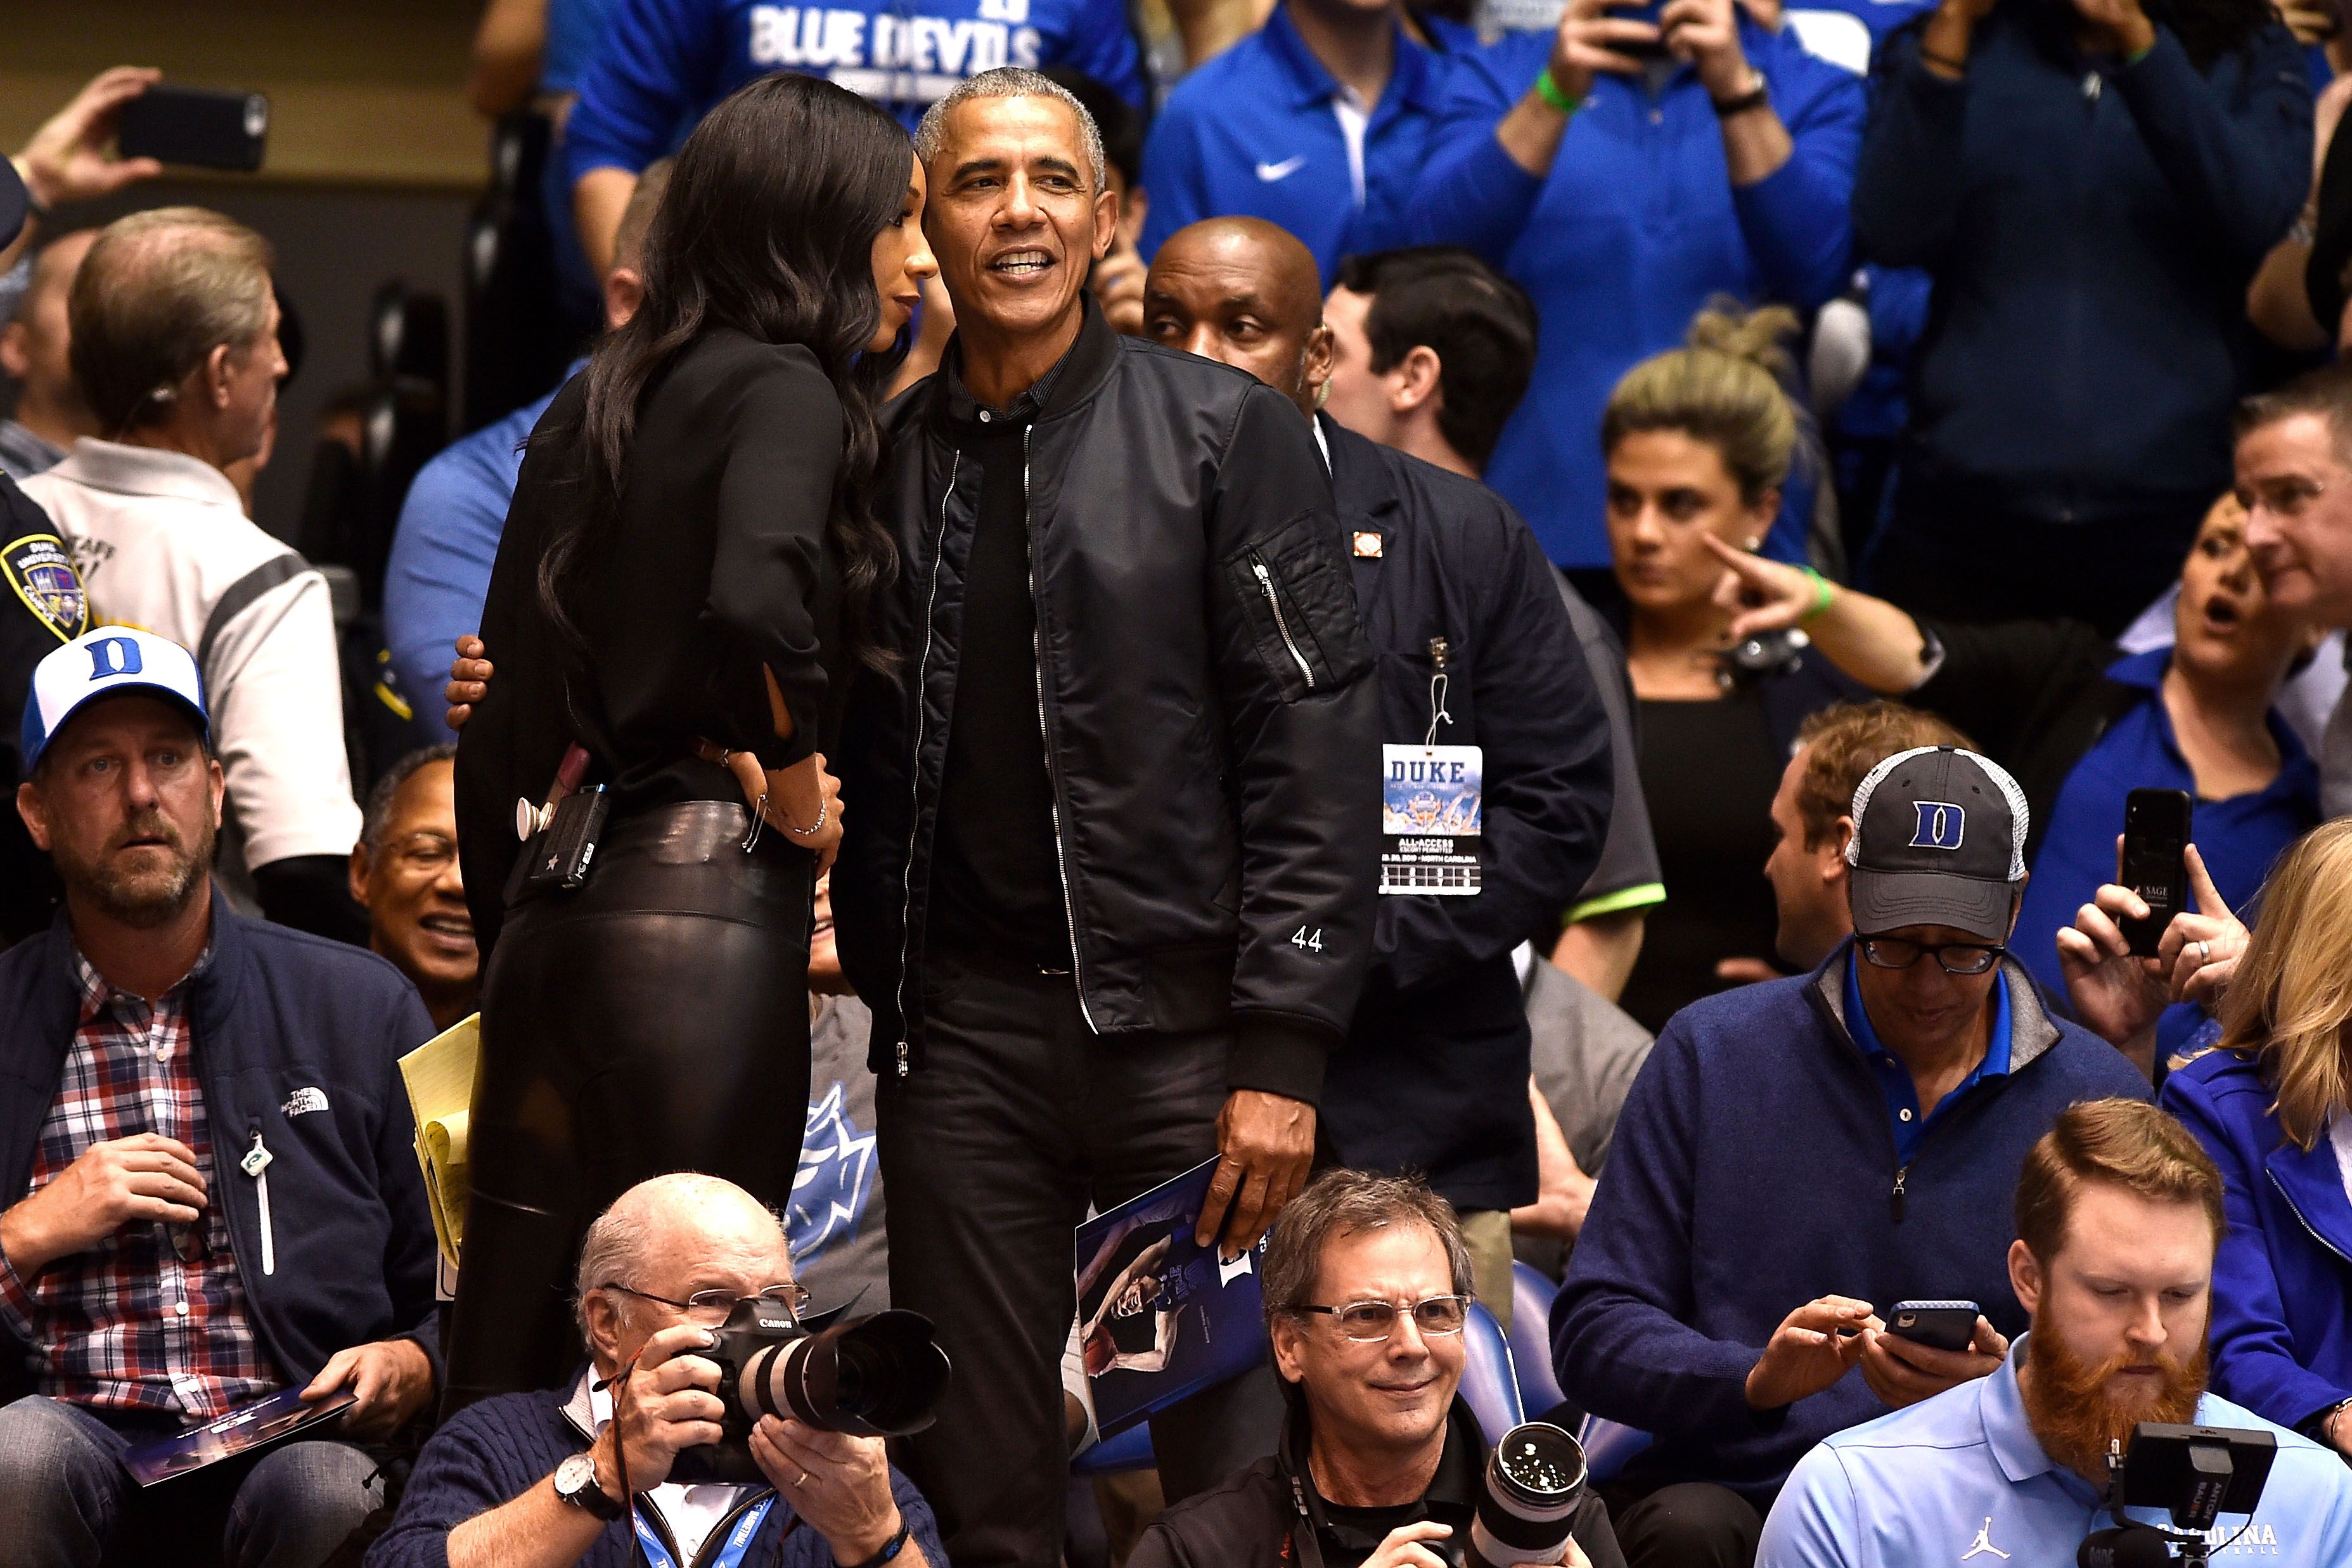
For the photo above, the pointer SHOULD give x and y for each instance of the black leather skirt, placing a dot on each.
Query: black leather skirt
(653, 1020)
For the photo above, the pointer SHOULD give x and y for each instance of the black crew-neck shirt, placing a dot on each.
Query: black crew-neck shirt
(996, 881)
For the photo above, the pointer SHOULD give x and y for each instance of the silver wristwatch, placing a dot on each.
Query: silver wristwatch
(575, 1483)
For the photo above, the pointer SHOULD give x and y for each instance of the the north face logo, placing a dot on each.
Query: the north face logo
(1939, 825)
(303, 1100)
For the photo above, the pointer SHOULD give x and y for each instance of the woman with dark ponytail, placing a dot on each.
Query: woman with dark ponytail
(679, 598)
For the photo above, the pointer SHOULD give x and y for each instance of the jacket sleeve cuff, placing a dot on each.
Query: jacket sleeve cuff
(1280, 1054)
(777, 754)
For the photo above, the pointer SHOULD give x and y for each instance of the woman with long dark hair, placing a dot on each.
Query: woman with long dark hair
(681, 593)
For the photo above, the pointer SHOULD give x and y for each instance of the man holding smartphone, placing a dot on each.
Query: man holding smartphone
(1799, 1155)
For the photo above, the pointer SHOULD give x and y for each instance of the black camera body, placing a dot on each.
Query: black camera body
(2196, 1474)
(876, 1376)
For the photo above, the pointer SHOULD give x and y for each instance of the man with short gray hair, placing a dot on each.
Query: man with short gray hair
(174, 347)
(1382, 1462)
(1109, 886)
(534, 1480)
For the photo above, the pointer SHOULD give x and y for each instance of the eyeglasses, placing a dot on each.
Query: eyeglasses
(1372, 1323)
(711, 1307)
(427, 854)
(1951, 957)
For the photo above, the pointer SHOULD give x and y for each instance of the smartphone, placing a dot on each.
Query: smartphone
(1940, 1325)
(195, 127)
(1651, 13)
(2156, 833)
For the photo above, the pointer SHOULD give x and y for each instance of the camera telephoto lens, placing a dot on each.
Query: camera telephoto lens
(1534, 1482)
(877, 1376)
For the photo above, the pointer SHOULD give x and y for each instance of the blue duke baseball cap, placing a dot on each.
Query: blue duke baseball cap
(1938, 839)
(105, 663)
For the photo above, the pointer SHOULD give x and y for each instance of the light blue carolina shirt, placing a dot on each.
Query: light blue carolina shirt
(1961, 1479)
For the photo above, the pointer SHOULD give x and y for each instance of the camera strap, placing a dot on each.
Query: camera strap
(729, 1556)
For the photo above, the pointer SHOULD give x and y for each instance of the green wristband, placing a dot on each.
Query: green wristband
(1549, 91)
(1820, 597)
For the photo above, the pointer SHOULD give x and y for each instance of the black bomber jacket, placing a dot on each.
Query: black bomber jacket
(1205, 702)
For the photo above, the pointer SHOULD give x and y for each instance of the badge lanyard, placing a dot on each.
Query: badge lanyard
(739, 1540)
(1438, 681)
(1431, 802)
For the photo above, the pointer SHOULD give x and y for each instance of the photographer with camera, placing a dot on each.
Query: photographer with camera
(1380, 1465)
(2118, 1212)
(533, 1480)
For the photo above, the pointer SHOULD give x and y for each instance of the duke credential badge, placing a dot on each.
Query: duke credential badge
(42, 573)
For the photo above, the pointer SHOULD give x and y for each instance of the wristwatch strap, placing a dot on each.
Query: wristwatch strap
(890, 1548)
(1758, 95)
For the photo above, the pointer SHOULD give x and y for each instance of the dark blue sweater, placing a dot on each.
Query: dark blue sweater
(494, 1451)
(1754, 1170)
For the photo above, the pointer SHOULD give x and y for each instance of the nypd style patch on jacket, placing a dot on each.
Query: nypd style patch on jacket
(39, 570)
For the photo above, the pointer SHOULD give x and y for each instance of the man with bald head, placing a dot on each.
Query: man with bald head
(530, 1481)
(1485, 674)
(1108, 886)
(51, 414)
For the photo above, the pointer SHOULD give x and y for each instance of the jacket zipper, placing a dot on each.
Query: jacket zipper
(1281, 622)
(1045, 740)
(915, 768)
(255, 1164)
(2300, 1220)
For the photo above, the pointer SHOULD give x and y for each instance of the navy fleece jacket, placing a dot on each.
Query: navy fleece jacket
(1754, 1170)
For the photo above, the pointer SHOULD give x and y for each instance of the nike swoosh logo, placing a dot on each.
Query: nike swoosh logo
(1270, 172)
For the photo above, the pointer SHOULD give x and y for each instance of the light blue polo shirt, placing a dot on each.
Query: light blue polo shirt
(1904, 1116)
(1961, 1479)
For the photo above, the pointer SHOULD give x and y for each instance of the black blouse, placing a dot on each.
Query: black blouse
(719, 563)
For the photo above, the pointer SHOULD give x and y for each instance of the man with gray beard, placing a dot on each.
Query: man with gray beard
(168, 1069)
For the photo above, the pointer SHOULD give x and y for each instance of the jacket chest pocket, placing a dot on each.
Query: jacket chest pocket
(1293, 594)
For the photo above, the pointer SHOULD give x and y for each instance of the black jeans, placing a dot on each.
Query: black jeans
(1020, 1117)
(656, 1020)
(1690, 1524)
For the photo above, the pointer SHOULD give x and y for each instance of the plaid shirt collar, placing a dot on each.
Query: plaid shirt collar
(98, 992)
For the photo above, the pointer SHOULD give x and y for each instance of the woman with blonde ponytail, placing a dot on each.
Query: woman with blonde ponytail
(1699, 443)
(2272, 1105)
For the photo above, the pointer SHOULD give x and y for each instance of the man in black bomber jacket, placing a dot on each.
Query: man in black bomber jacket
(1108, 882)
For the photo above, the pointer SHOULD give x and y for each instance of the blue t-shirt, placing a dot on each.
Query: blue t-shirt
(2238, 837)
(1894, 1081)
(1961, 1479)
(442, 552)
(663, 62)
(1256, 132)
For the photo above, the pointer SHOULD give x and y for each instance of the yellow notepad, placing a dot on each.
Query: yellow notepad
(440, 1077)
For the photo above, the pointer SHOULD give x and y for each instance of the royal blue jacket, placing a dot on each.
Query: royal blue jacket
(2091, 230)
(2282, 1335)
(1633, 231)
(494, 1451)
(279, 1023)
(1253, 134)
(1753, 1170)
(664, 63)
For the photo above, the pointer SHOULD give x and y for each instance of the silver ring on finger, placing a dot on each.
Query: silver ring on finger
(2204, 954)
(801, 1482)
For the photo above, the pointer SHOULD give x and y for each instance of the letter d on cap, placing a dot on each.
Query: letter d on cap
(1939, 825)
(114, 656)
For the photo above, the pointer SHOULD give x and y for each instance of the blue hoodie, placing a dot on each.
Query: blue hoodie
(1635, 228)
(665, 62)
(2281, 1340)
(2091, 228)
(1754, 1170)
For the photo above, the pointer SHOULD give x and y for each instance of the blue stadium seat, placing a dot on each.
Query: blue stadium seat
(1129, 1450)
(1608, 1445)
(1531, 1297)
(1488, 1380)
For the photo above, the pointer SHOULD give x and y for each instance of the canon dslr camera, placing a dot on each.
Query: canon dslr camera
(876, 1376)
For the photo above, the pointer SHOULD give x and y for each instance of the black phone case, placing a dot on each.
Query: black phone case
(2156, 833)
(1943, 1325)
(196, 128)
(562, 856)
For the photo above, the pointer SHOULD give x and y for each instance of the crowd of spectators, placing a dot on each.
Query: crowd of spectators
(1804, 467)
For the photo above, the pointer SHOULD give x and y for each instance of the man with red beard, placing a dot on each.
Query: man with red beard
(2118, 1211)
